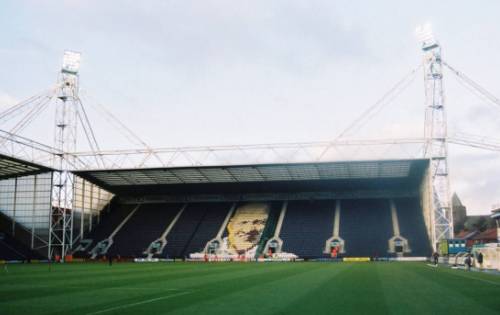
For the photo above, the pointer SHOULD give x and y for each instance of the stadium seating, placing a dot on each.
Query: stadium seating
(145, 225)
(8, 253)
(11, 249)
(307, 226)
(270, 227)
(21, 240)
(208, 226)
(109, 221)
(366, 227)
(245, 228)
(412, 226)
(182, 233)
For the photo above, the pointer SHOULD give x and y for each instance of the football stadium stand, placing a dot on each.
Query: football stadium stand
(208, 226)
(412, 225)
(306, 227)
(109, 221)
(245, 229)
(347, 209)
(15, 246)
(365, 226)
(144, 226)
(11, 249)
(184, 230)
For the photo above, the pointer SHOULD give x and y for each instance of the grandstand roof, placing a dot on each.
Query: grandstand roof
(295, 172)
(11, 167)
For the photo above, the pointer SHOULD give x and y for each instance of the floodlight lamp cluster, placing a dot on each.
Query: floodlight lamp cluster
(425, 36)
(71, 62)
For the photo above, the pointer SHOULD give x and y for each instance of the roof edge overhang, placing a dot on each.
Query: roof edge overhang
(246, 165)
(12, 167)
(112, 179)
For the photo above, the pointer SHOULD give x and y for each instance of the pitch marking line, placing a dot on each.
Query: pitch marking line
(83, 287)
(478, 279)
(137, 303)
(473, 278)
(132, 288)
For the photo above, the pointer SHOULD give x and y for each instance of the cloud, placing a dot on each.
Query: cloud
(225, 72)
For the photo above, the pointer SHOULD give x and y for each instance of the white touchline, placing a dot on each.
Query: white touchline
(137, 303)
(479, 279)
(474, 278)
(138, 288)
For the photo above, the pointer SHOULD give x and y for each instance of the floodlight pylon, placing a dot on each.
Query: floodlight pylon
(436, 145)
(65, 136)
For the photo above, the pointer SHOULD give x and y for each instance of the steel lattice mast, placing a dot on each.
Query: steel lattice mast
(65, 135)
(436, 146)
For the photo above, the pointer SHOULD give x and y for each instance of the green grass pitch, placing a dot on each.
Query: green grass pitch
(246, 288)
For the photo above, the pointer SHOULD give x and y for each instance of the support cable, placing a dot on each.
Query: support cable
(475, 141)
(28, 118)
(123, 129)
(31, 116)
(89, 140)
(475, 88)
(386, 99)
(374, 109)
(28, 142)
(485, 93)
(18, 108)
(90, 135)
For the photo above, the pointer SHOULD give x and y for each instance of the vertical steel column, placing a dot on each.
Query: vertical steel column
(82, 216)
(51, 228)
(436, 147)
(33, 213)
(61, 224)
(14, 206)
(91, 206)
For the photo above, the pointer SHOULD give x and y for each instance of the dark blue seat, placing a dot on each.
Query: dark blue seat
(306, 227)
(146, 225)
(184, 229)
(109, 221)
(412, 226)
(208, 227)
(366, 227)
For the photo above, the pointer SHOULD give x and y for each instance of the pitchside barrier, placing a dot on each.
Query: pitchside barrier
(283, 259)
(33, 261)
(446, 260)
(357, 259)
(491, 255)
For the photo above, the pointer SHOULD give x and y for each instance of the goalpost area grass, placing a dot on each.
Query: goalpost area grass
(246, 288)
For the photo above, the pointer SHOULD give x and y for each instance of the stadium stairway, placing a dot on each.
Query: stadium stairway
(245, 228)
(412, 226)
(268, 232)
(208, 227)
(183, 231)
(109, 220)
(145, 225)
(306, 227)
(366, 227)
(21, 239)
(12, 249)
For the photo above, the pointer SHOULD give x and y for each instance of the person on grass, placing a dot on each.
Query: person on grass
(468, 262)
(480, 260)
(435, 257)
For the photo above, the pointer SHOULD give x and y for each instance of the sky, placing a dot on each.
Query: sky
(188, 73)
